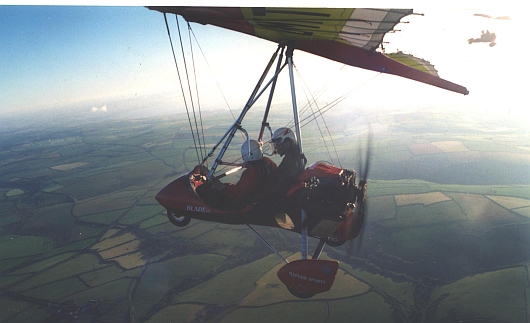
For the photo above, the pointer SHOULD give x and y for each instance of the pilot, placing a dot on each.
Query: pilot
(285, 144)
(258, 172)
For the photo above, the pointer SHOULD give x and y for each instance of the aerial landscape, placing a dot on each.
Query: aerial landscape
(80, 225)
(94, 123)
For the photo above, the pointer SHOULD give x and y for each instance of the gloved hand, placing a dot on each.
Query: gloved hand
(199, 172)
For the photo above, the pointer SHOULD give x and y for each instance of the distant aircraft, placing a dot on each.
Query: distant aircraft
(488, 16)
(487, 37)
(325, 202)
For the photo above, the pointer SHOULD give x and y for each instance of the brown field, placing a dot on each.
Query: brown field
(109, 233)
(509, 202)
(424, 149)
(523, 211)
(131, 261)
(105, 244)
(424, 198)
(65, 167)
(120, 250)
(450, 146)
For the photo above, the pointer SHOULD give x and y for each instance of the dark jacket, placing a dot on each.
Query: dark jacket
(286, 174)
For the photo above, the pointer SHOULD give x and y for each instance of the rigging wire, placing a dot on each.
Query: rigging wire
(320, 111)
(268, 244)
(211, 71)
(203, 147)
(181, 86)
(197, 149)
(324, 88)
(216, 82)
(335, 102)
(310, 103)
(313, 116)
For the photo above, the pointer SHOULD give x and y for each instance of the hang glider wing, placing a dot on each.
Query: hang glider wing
(491, 17)
(346, 35)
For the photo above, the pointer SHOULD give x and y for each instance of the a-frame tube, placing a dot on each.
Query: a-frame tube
(289, 56)
(237, 124)
(319, 248)
(269, 101)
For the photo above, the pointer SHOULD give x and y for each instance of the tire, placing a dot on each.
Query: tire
(298, 294)
(178, 220)
(334, 242)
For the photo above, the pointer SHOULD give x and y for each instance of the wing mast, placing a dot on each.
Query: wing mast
(303, 215)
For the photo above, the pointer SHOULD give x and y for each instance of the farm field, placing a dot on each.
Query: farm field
(447, 237)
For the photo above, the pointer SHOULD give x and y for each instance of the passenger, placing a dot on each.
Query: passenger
(248, 189)
(285, 144)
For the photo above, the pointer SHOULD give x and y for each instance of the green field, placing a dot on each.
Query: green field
(447, 237)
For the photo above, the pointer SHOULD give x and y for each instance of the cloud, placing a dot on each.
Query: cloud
(102, 109)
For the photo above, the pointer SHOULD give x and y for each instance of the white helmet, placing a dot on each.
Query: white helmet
(255, 151)
(281, 133)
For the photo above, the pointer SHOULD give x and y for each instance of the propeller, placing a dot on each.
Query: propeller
(361, 205)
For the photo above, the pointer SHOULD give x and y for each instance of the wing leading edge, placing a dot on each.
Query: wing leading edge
(346, 35)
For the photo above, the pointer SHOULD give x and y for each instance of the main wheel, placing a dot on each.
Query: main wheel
(299, 294)
(334, 241)
(178, 220)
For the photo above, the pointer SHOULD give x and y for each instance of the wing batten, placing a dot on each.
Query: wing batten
(381, 21)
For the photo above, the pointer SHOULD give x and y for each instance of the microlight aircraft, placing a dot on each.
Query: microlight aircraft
(485, 37)
(326, 202)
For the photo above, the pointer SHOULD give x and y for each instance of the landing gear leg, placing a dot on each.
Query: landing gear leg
(295, 274)
(303, 223)
(319, 248)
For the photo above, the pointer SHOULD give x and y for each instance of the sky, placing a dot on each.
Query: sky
(103, 59)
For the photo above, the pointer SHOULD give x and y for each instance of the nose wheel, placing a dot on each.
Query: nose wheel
(334, 241)
(178, 219)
